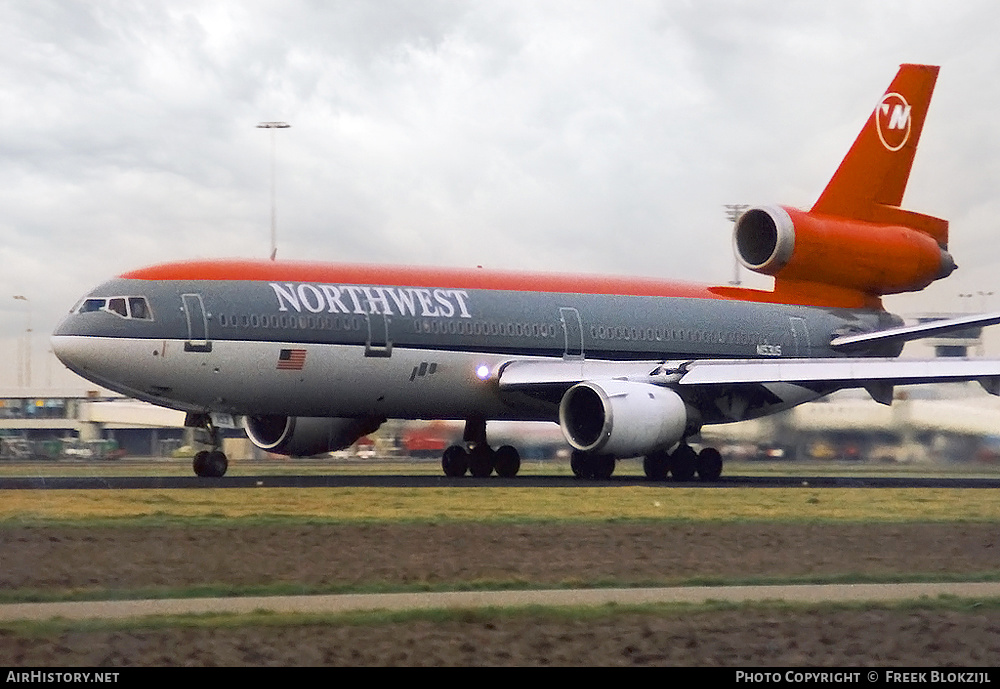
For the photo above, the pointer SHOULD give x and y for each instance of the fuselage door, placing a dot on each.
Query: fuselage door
(800, 336)
(378, 343)
(573, 331)
(197, 324)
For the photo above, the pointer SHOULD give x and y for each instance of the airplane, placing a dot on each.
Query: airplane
(308, 357)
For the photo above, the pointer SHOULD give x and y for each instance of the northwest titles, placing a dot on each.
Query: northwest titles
(388, 301)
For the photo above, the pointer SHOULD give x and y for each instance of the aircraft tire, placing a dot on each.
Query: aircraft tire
(603, 466)
(455, 461)
(656, 465)
(580, 464)
(508, 461)
(199, 463)
(481, 460)
(216, 464)
(682, 463)
(709, 464)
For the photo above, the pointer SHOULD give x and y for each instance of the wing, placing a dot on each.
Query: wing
(874, 374)
(845, 372)
(877, 375)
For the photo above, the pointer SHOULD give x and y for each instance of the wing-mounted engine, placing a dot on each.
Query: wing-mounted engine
(622, 418)
(302, 436)
(872, 258)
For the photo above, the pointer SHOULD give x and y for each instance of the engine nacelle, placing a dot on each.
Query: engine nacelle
(873, 258)
(621, 418)
(304, 436)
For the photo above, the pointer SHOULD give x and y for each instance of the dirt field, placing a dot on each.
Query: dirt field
(122, 559)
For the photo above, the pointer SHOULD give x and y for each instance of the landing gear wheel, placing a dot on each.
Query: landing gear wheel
(210, 464)
(200, 460)
(455, 461)
(709, 464)
(481, 460)
(508, 461)
(207, 463)
(590, 466)
(682, 463)
(602, 467)
(656, 465)
(216, 464)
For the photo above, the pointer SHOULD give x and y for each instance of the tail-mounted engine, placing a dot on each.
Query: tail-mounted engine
(867, 257)
(302, 436)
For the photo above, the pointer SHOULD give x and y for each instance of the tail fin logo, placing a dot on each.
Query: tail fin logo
(892, 118)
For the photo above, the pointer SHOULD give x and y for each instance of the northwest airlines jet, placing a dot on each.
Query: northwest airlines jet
(312, 356)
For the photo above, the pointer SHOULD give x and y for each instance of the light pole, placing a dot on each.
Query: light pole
(983, 296)
(24, 347)
(733, 213)
(274, 208)
(967, 305)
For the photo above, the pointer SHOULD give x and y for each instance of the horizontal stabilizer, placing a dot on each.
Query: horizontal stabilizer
(915, 332)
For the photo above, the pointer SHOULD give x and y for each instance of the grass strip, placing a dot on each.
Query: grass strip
(653, 503)
(150, 466)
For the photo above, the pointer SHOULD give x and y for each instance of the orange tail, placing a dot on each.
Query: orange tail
(870, 182)
(856, 244)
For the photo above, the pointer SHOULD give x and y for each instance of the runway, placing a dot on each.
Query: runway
(425, 481)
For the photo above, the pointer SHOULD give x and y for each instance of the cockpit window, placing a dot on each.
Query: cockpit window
(138, 308)
(92, 305)
(117, 305)
(124, 307)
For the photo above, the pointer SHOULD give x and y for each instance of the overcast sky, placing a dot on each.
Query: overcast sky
(567, 136)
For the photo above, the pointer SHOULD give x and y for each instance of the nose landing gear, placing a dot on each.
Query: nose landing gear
(208, 463)
(211, 464)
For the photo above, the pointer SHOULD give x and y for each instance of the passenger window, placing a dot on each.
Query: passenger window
(117, 305)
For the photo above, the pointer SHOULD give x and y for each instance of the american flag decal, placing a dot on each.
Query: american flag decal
(291, 359)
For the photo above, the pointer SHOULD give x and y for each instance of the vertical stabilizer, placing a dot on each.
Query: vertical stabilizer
(871, 180)
(856, 244)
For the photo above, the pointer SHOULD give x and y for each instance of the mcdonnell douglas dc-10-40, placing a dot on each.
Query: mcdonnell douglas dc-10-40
(312, 356)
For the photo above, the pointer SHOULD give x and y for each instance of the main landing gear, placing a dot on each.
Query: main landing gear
(683, 464)
(208, 463)
(480, 460)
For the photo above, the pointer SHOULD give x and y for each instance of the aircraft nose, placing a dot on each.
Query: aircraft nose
(74, 345)
(63, 346)
(61, 339)
(93, 358)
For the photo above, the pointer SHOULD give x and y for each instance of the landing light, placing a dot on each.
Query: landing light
(482, 372)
